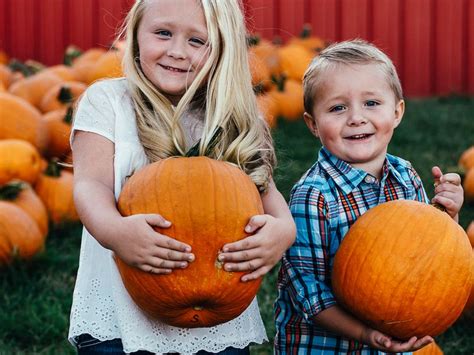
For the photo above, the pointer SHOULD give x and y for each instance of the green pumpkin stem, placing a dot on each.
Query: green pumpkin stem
(65, 94)
(16, 65)
(11, 190)
(71, 53)
(68, 117)
(194, 151)
(53, 169)
(306, 32)
(279, 82)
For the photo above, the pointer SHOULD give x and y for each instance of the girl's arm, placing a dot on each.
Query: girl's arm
(337, 320)
(274, 233)
(131, 238)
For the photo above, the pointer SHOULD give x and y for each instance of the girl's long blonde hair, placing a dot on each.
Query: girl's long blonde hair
(230, 106)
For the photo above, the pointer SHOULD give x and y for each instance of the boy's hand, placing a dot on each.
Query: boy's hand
(259, 252)
(383, 342)
(139, 245)
(448, 191)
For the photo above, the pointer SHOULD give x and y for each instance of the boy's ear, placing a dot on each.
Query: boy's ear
(399, 111)
(311, 123)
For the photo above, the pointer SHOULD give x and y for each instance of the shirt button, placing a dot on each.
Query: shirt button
(369, 179)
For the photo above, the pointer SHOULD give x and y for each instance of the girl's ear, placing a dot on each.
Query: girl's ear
(311, 123)
(399, 111)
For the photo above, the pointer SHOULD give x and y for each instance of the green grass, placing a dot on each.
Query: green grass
(35, 297)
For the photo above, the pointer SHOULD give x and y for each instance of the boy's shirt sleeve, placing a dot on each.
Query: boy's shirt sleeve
(307, 262)
(420, 193)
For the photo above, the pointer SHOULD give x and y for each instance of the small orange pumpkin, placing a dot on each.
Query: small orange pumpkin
(468, 185)
(19, 234)
(109, 65)
(58, 123)
(405, 268)
(22, 195)
(55, 188)
(19, 160)
(294, 60)
(467, 159)
(209, 203)
(20, 120)
(61, 95)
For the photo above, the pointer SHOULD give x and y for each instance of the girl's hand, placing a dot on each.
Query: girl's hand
(448, 191)
(258, 253)
(139, 245)
(380, 341)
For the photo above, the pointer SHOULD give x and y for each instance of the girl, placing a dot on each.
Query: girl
(187, 86)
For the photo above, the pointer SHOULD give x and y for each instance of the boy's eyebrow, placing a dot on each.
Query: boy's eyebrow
(342, 97)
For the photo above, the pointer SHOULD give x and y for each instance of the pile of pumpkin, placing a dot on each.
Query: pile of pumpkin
(36, 105)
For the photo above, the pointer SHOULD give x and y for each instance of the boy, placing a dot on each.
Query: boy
(353, 102)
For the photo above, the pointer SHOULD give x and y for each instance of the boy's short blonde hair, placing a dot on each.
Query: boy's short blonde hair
(348, 52)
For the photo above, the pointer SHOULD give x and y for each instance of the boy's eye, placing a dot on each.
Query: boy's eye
(163, 33)
(337, 108)
(371, 103)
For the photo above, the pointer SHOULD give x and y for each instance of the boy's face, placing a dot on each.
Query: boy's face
(355, 114)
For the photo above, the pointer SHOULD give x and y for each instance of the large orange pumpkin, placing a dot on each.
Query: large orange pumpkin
(19, 160)
(404, 268)
(209, 203)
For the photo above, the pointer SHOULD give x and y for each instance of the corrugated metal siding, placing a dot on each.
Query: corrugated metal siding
(430, 41)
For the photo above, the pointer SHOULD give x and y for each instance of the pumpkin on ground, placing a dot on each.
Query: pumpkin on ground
(55, 188)
(468, 185)
(209, 203)
(22, 195)
(405, 268)
(466, 160)
(20, 120)
(19, 160)
(19, 234)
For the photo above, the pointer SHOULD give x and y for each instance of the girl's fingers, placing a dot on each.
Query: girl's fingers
(166, 242)
(157, 220)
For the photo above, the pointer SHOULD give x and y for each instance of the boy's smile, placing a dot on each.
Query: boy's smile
(355, 114)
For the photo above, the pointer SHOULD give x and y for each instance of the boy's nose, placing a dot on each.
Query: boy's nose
(356, 117)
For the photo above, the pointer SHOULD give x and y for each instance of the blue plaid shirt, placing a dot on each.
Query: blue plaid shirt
(326, 201)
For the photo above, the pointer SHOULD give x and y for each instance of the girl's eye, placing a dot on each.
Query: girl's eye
(371, 103)
(337, 108)
(163, 33)
(197, 42)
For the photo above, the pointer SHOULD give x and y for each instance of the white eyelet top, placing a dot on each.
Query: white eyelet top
(101, 305)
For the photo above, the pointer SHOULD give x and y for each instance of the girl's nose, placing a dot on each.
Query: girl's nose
(176, 49)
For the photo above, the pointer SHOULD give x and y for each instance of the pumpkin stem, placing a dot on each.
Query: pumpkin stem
(253, 40)
(68, 117)
(53, 169)
(11, 190)
(306, 31)
(65, 94)
(16, 65)
(71, 53)
(279, 81)
(194, 151)
(259, 89)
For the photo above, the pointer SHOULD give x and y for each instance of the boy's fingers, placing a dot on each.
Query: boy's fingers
(244, 255)
(243, 244)
(255, 223)
(255, 274)
(250, 265)
(451, 178)
(436, 172)
(166, 242)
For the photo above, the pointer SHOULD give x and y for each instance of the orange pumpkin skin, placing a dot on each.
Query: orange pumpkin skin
(468, 185)
(56, 192)
(20, 120)
(208, 203)
(404, 268)
(431, 349)
(19, 160)
(467, 159)
(19, 234)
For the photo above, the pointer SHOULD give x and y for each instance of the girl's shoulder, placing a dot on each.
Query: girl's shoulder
(109, 88)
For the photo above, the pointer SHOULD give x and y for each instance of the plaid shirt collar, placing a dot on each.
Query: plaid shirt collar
(347, 177)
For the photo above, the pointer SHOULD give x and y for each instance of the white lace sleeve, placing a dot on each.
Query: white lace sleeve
(95, 112)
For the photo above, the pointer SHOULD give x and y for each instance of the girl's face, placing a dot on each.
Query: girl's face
(355, 114)
(172, 40)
